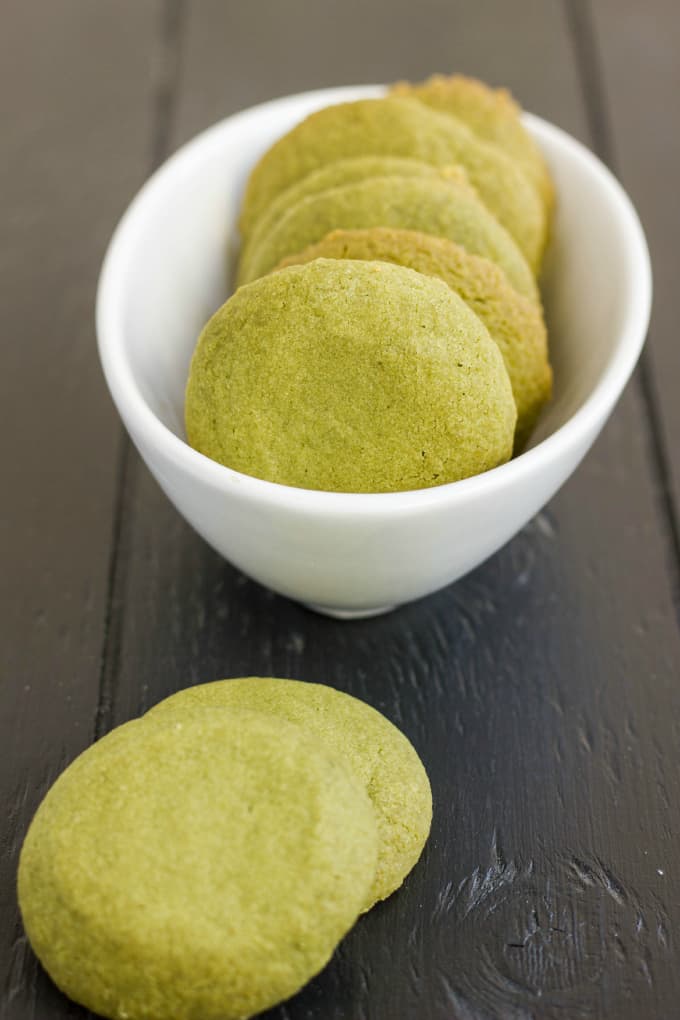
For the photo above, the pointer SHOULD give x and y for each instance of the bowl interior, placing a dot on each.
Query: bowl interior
(175, 247)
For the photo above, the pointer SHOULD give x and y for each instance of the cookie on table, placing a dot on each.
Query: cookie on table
(333, 175)
(445, 206)
(492, 114)
(177, 867)
(515, 323)
(377, 752)
(395, 126)
(349, 377)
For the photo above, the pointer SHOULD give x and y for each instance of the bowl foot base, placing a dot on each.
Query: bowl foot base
(348, 614)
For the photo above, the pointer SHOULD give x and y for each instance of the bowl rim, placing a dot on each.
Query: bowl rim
(140, 419)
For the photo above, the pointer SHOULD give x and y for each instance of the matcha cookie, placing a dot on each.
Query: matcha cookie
(515, 323)
(197, 868)
(342, 171)
(376, 751)
(401, 127)
(349, 377)
(492, 114)
(446, 207)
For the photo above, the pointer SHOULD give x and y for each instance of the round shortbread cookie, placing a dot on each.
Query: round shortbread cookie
(350, 377)
(202, 867)
(514, 322)
(374, 749)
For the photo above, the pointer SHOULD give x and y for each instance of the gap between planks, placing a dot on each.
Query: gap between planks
(578, 14)
(166, 72)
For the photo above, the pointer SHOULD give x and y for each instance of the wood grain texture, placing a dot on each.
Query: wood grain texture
(236, 55)
(541, 690)
(75, 136)
(635, 66)
(526, 687)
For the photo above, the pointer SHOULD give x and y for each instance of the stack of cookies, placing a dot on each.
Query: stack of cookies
(387, 332)
(205, 860)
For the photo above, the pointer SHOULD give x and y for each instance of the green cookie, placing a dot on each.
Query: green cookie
(196, 868)
(493, 115)
(442, 207)
(349, 377)
(342, 171)
(515, 323)
(376, 751)
(395, 126)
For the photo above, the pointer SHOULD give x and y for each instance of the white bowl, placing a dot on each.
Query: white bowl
(353, 555)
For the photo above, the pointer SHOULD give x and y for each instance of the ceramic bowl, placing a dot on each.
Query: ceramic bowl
(346, 554)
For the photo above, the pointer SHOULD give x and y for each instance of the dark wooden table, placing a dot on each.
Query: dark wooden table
(542, 691)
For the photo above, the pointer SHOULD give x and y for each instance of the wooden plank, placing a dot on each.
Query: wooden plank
(75, 115)
(541, 690)
(240, 54)
(635, 68)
